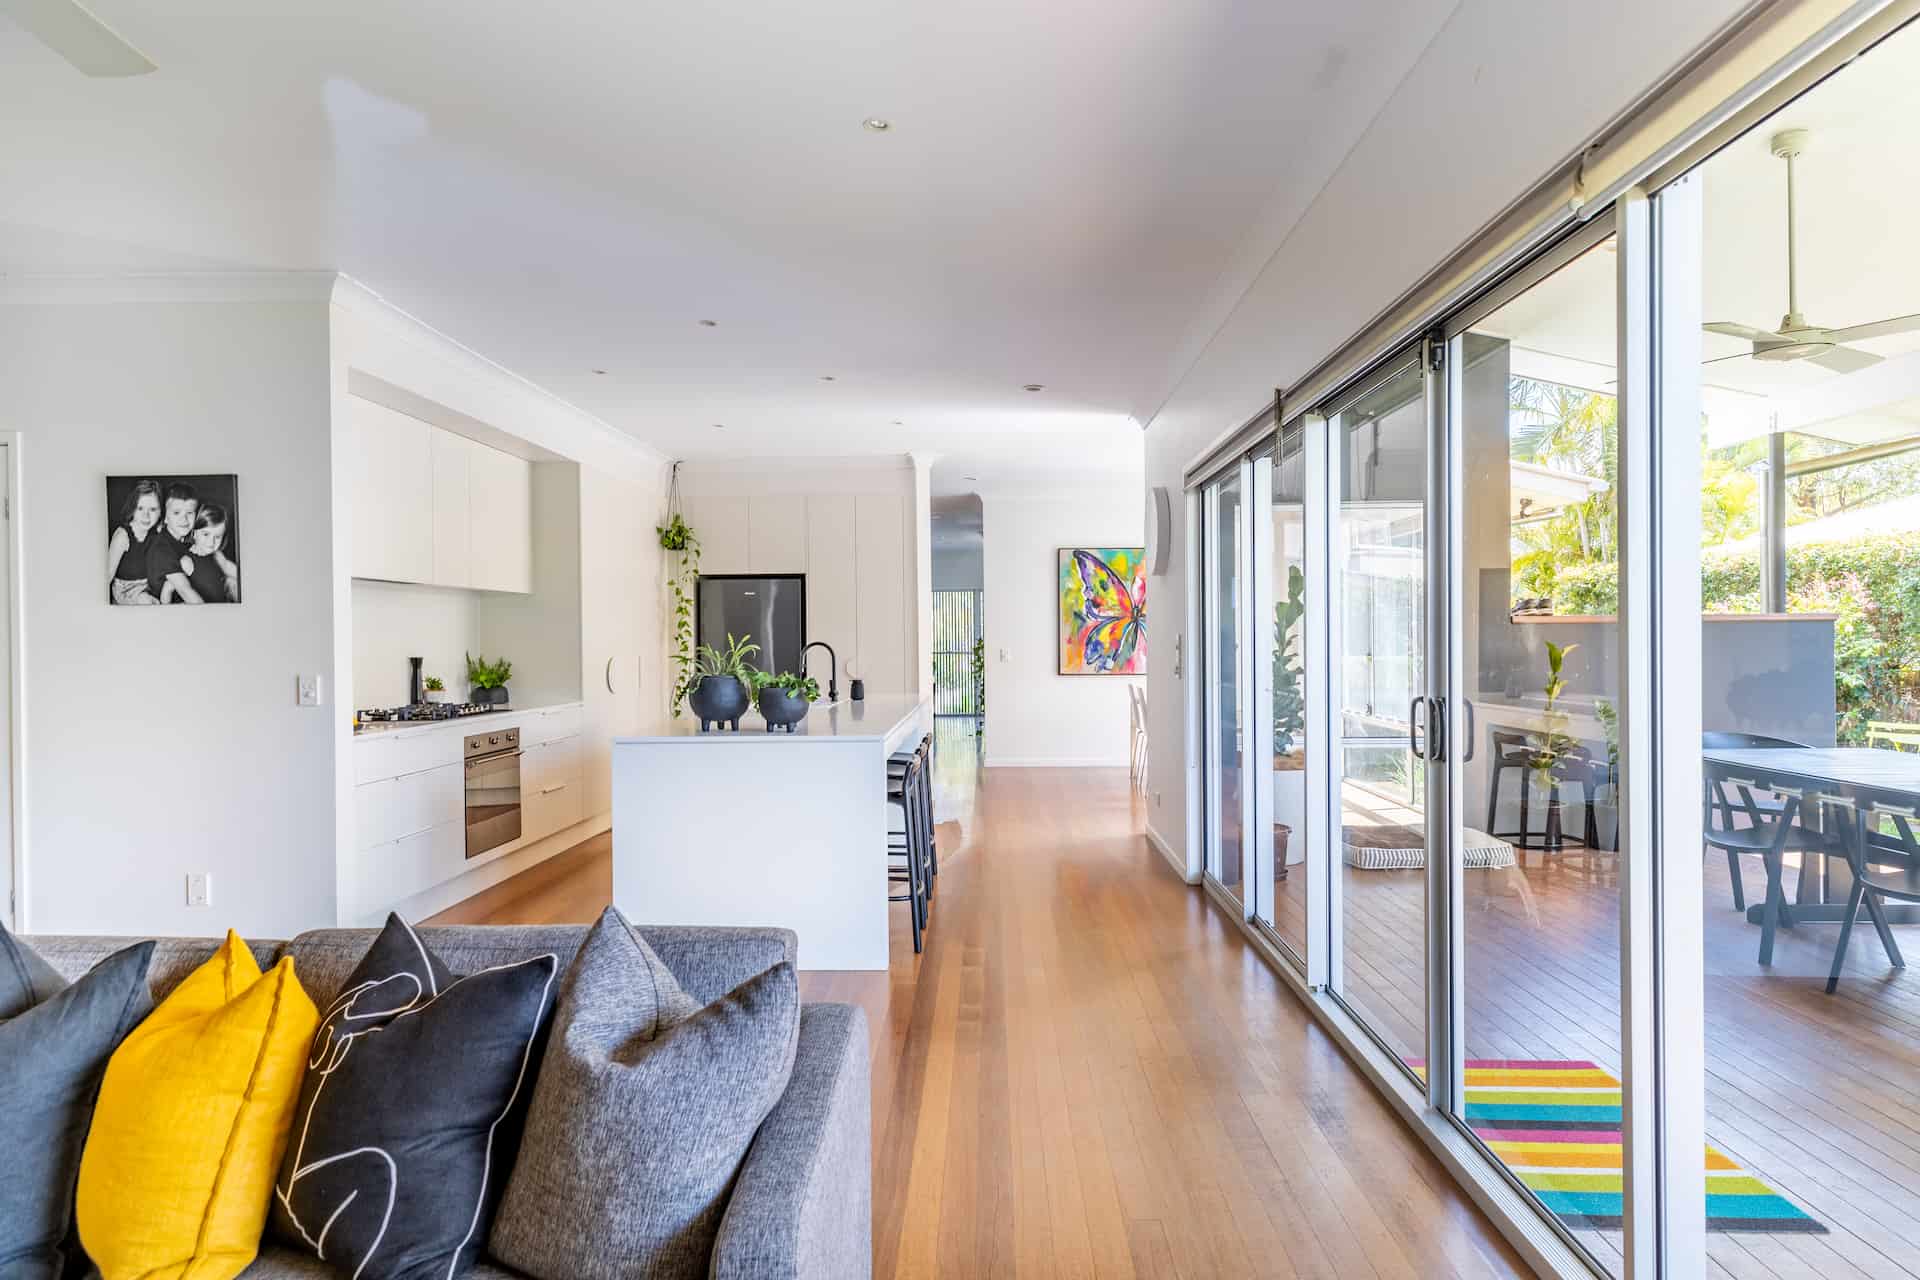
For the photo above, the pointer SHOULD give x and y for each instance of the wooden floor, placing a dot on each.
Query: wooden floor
(1817, 1095)
(1089, 1073)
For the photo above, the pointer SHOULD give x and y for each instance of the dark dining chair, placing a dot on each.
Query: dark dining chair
(1720, 810)
(1898, 855)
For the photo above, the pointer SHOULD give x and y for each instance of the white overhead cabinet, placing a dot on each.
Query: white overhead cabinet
(436, 508)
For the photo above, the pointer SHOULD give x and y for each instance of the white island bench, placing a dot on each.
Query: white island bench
(759, 828)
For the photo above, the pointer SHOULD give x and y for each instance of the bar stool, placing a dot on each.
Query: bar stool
(906, 781)
(1516, 750)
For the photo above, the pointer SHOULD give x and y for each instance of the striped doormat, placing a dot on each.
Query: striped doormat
(1556, 1126)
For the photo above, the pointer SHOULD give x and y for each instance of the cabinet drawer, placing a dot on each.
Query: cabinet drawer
(550, 726)
(380, 756)
(395, 808)
(552, 806)
(398, 869)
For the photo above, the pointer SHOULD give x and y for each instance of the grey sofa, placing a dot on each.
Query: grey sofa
(802, 1206)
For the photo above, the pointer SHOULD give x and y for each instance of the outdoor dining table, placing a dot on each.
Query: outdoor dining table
(1856, 777)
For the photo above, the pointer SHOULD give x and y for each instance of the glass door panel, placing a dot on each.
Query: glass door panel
(1537, 833)
(1379, 549)
(1281, 903)
(1224, 554)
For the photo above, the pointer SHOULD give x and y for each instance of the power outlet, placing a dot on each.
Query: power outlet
(307, 690)
(200, 888)
(1156, 797)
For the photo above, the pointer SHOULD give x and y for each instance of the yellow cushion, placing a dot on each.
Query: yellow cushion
(192, 1121)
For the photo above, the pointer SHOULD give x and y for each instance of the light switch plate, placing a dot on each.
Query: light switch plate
(199, 888)
(307, 690)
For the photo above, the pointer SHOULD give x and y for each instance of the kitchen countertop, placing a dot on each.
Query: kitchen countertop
(411, 728)
(875, 719)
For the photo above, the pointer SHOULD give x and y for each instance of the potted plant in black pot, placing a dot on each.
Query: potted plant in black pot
(784, 699)
(489, 680)
(723, 682)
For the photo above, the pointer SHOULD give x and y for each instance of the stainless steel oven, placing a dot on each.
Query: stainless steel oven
(493, 790)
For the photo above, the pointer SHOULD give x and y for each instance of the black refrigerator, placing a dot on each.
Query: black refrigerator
(771, 611)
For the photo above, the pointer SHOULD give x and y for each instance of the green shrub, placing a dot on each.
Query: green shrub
(1873, 584)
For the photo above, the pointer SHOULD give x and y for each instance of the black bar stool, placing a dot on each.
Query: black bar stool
(906, 783)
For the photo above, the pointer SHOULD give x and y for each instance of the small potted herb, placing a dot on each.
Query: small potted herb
(723, 683)
(436, 689)
(489, 680)
(784, 699)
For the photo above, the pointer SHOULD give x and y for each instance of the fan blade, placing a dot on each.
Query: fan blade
(1738, 355)
(65, 27)
(1844, 360)
(1878, 329)
(1732, 330)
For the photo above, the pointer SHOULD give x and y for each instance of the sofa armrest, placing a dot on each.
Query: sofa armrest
(710, 960)
(802, 1207)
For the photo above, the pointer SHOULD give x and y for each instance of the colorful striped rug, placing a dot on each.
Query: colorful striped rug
(1556, 1126)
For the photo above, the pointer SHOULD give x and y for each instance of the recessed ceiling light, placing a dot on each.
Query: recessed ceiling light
(969, 477)
(709, 324)
(601, 372)
(898, 423)
(874, 124)
(719, 426)
(826, 377)
(1035, 386)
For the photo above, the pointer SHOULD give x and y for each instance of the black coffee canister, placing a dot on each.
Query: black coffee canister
(416, 691)
(857, 689)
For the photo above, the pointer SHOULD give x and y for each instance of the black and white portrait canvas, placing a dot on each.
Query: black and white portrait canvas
(173, 540)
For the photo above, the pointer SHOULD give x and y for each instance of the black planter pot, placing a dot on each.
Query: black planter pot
(718, 700)
(782, 710)
(495, 697)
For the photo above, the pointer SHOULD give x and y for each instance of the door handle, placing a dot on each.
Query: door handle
(1472, 733)
(1437, 730)
(609, 675)
(1414, 711)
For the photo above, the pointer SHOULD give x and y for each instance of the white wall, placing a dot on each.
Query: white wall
(167, 741)
(393, 621)
(1504, 93)
(1036, 716)
(850, 526)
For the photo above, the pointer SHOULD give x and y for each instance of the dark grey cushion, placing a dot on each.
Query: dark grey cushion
(55, 1040)
(640, 1124)
(410, 1111)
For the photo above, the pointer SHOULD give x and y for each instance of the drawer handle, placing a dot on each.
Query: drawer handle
(609, 675)
(558, 786)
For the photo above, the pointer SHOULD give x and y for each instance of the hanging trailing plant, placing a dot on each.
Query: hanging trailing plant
(678, 538)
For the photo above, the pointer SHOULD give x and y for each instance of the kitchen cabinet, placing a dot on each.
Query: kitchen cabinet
(452, 510)
(620, 619)
(392, 518)
(550, 786)
(500, 520)
(437, 508)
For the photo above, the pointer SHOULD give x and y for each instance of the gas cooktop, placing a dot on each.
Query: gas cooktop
(421, 711)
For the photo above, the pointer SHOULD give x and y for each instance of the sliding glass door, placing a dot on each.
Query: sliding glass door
(1224, 556)
(1379, 551)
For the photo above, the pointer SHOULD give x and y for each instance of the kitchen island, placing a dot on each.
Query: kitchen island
(759, 828)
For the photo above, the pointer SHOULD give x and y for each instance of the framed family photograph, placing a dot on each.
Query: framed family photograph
(173, 539)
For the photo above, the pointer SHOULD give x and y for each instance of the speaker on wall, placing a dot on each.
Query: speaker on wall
(1159, 529)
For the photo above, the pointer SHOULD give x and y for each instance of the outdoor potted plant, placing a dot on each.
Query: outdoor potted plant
(489, 680)
(722, 683)
(784, 698)
(436, 689)
(1289, 725)
(1554, 751)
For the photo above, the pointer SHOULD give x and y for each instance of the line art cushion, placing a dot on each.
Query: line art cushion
(416, 1091)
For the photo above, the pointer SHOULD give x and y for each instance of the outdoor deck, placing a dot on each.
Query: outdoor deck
(1817, 1095)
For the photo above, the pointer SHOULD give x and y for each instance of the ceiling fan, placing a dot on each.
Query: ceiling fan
(1795, 339)
(70, 30)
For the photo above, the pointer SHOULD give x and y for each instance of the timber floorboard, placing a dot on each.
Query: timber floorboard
(1089, 1073)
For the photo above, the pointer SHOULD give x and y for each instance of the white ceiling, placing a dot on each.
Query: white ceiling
(565, 188)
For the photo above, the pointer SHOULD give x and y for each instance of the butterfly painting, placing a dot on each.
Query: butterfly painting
(1103, 611)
